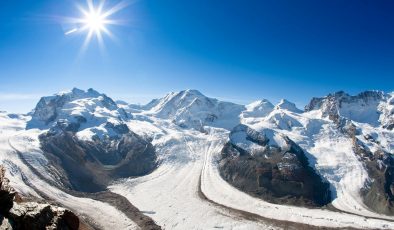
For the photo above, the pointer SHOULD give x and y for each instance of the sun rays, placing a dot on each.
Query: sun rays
(95, 21)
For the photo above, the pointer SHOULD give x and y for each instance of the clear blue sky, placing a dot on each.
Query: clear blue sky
(235, 49)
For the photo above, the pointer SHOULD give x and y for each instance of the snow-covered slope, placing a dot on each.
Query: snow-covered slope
(259, 108)
(287, 105)
(320, 132)
(188, 131)
(190, 108)
(85, 137)
(88, 113)
(372, 107)
(386, 108)
(22, 168)
(188, 188)
(329, 151)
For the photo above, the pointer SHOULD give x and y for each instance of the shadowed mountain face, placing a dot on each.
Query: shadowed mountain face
(89, 166)
(88, 140)
(277, 172)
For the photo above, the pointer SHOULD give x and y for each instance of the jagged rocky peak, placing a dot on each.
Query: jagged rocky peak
(260, 108)
(343, 97)
(387, 112)
(287, 105)
(192, 109)
(366, 107)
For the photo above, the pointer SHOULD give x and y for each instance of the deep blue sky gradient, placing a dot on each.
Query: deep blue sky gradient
(234, 50)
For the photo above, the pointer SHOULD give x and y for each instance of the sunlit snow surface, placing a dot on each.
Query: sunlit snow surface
(23, 179)
(170, 195)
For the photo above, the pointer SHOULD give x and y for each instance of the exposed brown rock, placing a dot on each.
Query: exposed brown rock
(378, 192)
(278, 175)
(7, 193)
(88, 166)
(31, 215)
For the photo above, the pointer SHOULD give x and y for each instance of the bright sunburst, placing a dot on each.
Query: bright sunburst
(95, 21)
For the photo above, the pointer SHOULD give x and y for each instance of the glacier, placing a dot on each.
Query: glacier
(188, 131)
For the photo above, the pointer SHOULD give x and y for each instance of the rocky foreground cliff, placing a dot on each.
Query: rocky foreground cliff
(15, 213)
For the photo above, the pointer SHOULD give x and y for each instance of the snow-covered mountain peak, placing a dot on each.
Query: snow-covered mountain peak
(191, 108)
(74, 94)
(260, 108)
(192, 92)
(371, 107)
(287, 105)
(176, 100)
(87, 112)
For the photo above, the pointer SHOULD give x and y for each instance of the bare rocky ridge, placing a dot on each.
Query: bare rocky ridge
(276, 174)
(16, 214)
(366, 107)
(378, 192)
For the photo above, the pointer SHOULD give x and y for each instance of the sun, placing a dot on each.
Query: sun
(95, 21)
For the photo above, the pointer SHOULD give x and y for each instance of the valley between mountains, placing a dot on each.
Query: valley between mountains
(188, 161)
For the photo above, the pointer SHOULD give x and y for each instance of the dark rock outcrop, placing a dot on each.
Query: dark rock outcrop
(378, 192)
(89, 166)
(7, 193)
(276, 174)
(376, 109)
(88, 140)
(19, 215)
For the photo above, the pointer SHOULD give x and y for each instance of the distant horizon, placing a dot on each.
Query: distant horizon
(30, 100)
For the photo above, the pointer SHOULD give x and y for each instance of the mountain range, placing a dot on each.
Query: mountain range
(188, 161)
